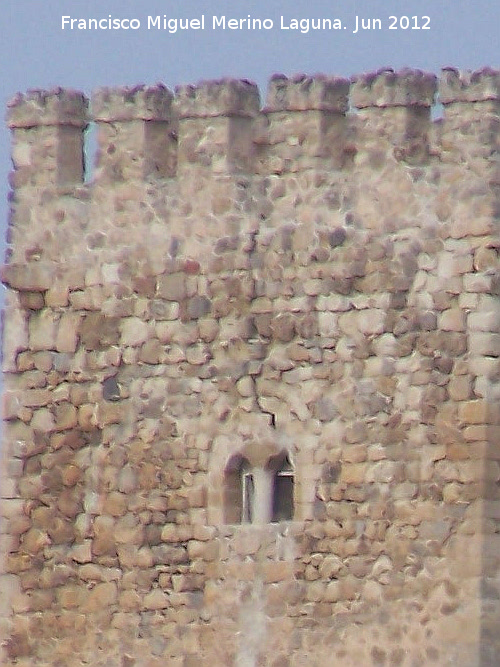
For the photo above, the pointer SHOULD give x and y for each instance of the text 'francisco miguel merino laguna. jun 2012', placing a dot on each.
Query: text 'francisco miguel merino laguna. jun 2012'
(302, 25)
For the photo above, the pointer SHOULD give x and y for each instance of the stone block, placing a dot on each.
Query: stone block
(98, 332)
(65, 415)
(33, 277)
(371, 321)
(100, 598)
(134, 332)
(156, 600)
(487, 344)
(460, 388)
(452, 319)
(477, 412)
(43, 330)
(172, 287)
(82, 553)
(353, 473)
(67, 333)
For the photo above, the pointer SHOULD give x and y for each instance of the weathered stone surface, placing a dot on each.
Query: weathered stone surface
(252, 371)
(304, 93)
(39, 107)
(214, 98)
(98, 332)
(126, 104)
(387, 88)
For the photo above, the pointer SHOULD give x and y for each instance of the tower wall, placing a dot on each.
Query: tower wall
(314, 280)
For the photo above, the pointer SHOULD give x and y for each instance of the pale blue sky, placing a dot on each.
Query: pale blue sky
(37, 53)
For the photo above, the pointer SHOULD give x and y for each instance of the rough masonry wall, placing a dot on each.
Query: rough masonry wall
(300, 279)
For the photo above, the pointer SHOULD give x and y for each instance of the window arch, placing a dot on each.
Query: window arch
(259, 494)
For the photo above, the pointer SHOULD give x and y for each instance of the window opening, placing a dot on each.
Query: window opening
(283, 493)
(259, 495)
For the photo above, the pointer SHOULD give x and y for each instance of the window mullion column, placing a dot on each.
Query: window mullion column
(263, 496)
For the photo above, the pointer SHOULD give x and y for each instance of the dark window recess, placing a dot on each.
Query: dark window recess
(283, 493)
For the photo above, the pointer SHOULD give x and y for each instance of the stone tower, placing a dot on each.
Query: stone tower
(251, 376)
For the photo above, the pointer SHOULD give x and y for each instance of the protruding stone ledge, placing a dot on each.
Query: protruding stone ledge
(27, 277)
(386, 88)
(305, 93)
(137, 103)
(466, 86)
(227, 97)
(47, 107)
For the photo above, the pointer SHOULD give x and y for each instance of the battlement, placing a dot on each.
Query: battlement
(479, 86)
(163, 133)
(304, 93)
(386, 88)
(127, 104)
(51, 107)
(227, 97)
